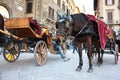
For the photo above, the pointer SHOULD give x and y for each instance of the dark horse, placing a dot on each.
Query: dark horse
(1, 22)
(83, 30)
(2, 36)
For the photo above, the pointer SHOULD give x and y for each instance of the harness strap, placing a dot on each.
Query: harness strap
(81, 30)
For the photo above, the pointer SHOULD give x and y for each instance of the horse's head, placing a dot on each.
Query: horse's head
(64, 23)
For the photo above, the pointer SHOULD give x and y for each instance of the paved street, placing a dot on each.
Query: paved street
(55, 68)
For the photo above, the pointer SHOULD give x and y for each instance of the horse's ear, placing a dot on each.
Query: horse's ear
(59, 15)
(68, 13)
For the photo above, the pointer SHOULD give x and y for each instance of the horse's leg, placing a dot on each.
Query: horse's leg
(99, 53)
(89, 53)
(101, 59)
(79, 68)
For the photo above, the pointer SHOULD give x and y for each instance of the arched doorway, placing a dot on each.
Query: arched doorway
(5, 13)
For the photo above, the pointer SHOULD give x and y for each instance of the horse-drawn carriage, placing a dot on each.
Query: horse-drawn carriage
(20, 36)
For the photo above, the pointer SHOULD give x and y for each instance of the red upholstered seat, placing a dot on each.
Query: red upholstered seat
(34, 25)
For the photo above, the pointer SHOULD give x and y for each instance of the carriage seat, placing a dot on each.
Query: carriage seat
(34, 25)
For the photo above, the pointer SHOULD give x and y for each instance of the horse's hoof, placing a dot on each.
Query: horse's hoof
(78, 69)
(90, 70)
(99, 64)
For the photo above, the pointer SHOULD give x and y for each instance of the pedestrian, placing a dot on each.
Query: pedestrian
(118, 41)
(57, 45)
(74, 46)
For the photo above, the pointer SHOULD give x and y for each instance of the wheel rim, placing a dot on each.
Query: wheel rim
(41, 53)
(12, 54)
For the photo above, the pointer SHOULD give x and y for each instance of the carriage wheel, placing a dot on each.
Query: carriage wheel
(12, 54)
(40, 53)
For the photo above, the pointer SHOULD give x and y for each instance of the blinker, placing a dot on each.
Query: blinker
(61, 20)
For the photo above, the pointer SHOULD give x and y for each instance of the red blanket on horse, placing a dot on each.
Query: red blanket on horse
(102, 29)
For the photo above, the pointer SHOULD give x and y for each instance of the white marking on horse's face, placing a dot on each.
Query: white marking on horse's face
(67, 24)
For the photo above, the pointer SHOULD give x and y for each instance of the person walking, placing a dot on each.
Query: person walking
(57, 45)
(74, 46)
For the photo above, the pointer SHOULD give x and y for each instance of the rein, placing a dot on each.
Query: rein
(81, 30)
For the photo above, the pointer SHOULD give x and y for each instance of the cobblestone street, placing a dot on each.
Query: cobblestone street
(25, 68)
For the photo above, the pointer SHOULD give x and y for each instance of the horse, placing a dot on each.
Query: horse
(1, 22)
(83, 30)
(2, 36)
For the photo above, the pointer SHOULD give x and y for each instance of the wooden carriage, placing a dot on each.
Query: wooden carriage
(23, 34)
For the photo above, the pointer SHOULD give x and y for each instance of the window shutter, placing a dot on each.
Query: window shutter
(113, 1)
(119, 4)
(105, 2)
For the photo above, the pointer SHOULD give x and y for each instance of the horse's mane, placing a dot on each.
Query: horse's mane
(1, 22)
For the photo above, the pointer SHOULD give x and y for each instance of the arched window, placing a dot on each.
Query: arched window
(4, 12)
(59, 3)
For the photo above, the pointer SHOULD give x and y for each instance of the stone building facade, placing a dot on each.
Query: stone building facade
(109, 11)
(44, 11)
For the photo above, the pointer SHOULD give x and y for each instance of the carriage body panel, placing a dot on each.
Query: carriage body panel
(21, 28)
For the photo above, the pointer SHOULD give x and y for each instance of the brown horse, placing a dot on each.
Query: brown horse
(2, 36)
(1, 22)
(79, 26)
